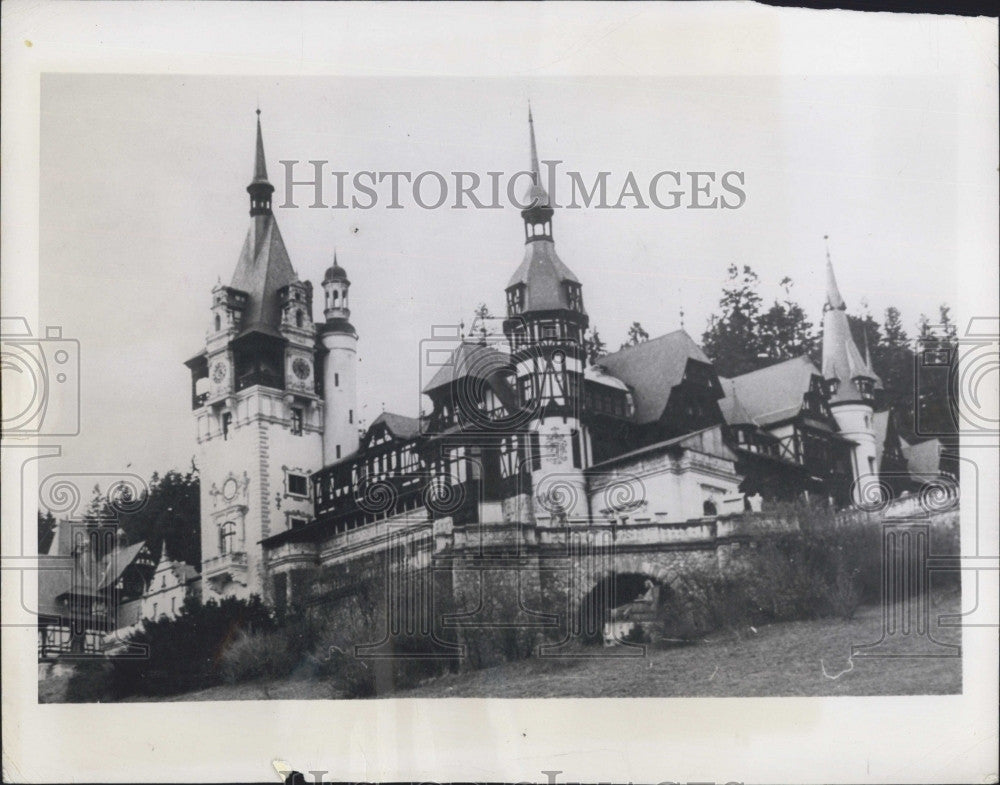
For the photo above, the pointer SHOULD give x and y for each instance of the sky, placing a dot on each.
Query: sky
(143, 209)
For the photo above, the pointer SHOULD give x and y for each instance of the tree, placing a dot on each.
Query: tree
(636, 335)
(783, 331)
(744, 337)
(893, 359)
(593, 346)
(171, 513)
(46, 531)
(936, 366)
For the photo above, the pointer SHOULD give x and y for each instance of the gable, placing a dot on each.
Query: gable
(768, 395)
(652, 369)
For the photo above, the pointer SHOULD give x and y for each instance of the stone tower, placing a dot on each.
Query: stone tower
(850, 385)
(259, 416)
(339, 360)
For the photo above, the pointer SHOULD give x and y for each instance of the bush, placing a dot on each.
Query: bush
(258, 655)
(185, 653)
(809, 566)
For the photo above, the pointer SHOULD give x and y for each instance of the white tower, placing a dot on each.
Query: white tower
(850, 383)
(545, 324)
(340, 362)
(259, 417)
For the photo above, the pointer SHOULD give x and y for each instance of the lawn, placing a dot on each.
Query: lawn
(806, 658)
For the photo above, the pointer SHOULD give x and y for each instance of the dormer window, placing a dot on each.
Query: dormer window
(831, 386)
(575, 296)
(866, 387)
(515, 300)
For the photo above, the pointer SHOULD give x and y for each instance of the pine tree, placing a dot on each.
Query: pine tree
(636, 335)
(593, 346)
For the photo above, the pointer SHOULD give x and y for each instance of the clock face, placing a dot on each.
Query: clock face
(219, 372)
(301, 368)
(229, 489)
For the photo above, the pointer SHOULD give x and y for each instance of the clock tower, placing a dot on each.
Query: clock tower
(259, 414)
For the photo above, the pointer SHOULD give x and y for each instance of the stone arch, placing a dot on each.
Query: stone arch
(607, 589)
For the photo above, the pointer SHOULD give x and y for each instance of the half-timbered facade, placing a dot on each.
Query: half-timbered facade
(519, 434)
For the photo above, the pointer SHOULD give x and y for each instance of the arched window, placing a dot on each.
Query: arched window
(708, 508)
(227, 537)
(336, 296)
(298, 318)
(218, 322)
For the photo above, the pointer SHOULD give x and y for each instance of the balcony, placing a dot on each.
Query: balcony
(225, 568)
(263, 378)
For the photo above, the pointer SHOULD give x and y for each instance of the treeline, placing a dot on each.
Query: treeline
(747, 333)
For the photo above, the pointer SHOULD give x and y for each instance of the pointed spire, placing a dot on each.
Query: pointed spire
(536, 195)
(833, 298)
(260, 189)
(535, 169)
(841, 358)
(260, 165)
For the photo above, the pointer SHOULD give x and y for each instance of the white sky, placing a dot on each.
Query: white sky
(143, 208)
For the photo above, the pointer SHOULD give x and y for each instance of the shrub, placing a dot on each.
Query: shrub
(185, 653)
(258, 655)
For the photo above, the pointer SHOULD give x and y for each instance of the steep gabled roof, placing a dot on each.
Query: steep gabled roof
(468, 359)
(119, 560)
(263, 269)
(652, 369)
(399, 425)
(767, 395)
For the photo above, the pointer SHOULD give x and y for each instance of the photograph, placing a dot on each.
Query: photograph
(358, 389)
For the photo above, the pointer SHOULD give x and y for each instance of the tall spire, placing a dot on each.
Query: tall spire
(260, 166)
(842, 361)
(542, 282)
(833, 298)
(535, 170)
(536, 195)
(260, 189)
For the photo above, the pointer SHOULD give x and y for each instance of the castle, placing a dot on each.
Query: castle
(522, 435)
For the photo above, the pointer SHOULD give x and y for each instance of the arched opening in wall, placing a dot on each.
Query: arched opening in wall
(709, 508)
(619, 601)
(218, 322)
